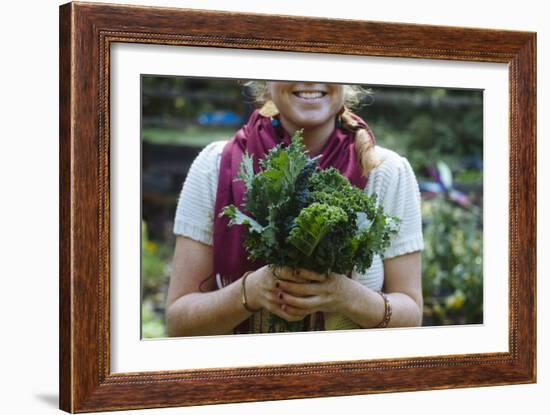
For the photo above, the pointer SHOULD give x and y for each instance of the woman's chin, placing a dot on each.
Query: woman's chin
(311, 123)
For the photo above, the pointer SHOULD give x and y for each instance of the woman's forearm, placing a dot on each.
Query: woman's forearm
(366, 307)
(211, 313)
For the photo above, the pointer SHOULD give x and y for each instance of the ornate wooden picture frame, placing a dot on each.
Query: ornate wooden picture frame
(87, 32)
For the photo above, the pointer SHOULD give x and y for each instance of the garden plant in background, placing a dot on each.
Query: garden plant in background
(452, 266)
(154, 277)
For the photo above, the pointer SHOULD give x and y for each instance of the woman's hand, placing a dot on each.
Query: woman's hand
(305, 292)
(302, 292)
(265, 290)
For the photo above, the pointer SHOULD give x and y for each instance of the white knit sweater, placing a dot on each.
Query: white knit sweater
(393, 181)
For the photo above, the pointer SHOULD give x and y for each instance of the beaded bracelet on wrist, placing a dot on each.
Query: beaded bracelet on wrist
(387, 311)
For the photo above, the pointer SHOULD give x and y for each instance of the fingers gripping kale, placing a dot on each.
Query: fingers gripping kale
(303, 217)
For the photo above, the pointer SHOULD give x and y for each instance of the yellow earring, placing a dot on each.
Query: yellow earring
(269, 109)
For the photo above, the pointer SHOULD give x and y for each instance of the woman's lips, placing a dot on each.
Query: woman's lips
(309, 96)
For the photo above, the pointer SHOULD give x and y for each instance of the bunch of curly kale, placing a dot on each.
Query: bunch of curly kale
(303, 217)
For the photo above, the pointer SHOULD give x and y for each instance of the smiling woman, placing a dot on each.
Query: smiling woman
(214, 287)
(309, 106)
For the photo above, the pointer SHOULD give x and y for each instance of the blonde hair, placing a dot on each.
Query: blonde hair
(354, 96)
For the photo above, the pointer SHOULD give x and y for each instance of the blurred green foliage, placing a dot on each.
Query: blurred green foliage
(424, 124)
(452, 265)
(154, 278)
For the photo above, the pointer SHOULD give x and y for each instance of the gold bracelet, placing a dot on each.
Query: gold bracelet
(387, 311)
(243, 293)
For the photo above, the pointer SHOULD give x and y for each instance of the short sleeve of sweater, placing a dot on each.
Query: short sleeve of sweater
(395, 184)
(195, 209)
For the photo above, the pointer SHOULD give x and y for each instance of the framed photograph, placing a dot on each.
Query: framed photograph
(147, 94)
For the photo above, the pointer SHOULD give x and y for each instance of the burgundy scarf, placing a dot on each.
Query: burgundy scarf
(256, 138)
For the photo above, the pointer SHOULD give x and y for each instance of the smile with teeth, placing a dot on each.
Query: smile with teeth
(309, 94)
